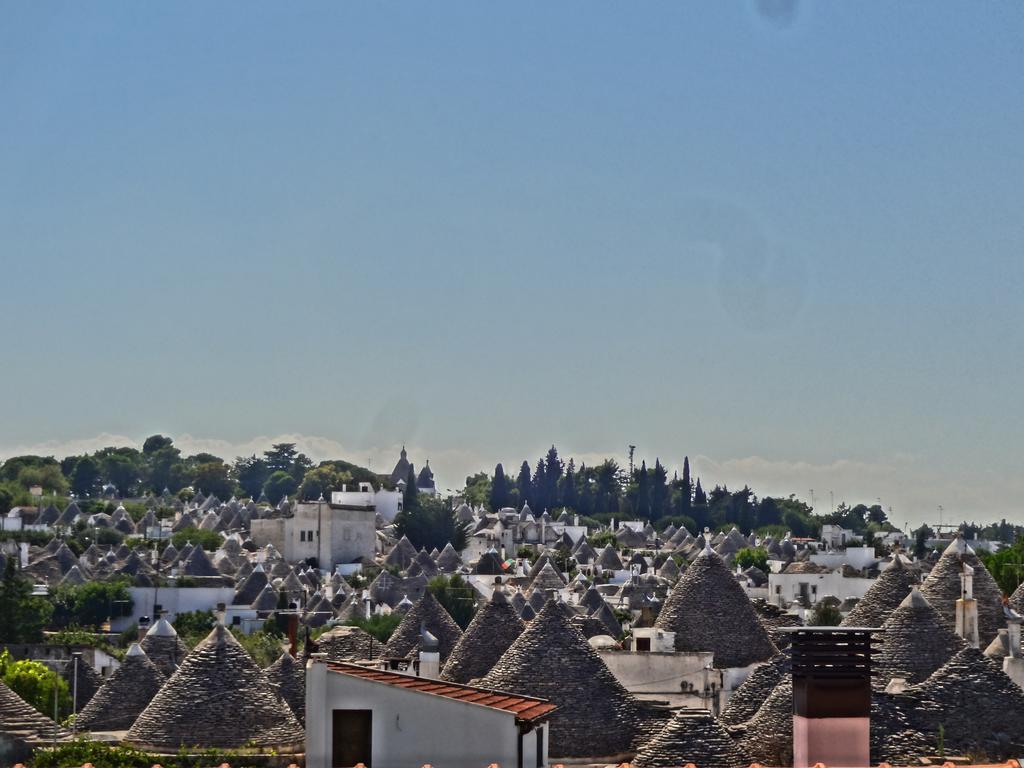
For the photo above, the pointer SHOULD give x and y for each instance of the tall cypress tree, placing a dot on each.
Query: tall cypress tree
(568, 495)
(523, 484)
(411, 496)
(686, 499)
(540, 488)
(643, 492)
(552, 474)
(659, 491)
(498, 498)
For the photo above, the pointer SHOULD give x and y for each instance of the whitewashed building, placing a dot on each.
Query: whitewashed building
(386, 719)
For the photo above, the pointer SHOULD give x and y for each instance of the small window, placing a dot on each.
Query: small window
(643, 644)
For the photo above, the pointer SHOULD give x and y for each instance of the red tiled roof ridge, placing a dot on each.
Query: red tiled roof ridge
(523, 707)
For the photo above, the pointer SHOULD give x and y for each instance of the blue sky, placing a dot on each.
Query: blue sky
(789, 244)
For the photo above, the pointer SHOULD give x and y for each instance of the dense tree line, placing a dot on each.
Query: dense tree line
(159, 467)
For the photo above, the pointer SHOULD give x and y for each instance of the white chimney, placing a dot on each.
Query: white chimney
(430, 654)
(967, 608)
(1013, 662)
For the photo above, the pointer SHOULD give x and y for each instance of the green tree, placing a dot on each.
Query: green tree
(499, 496)
(36, 684)
(380, 626)
(211, 477)
(93, 603)
(568, 495)
(251, 473)
(322, 480)
(49, 477)
(156, 443)
(164, 469)
(7, 497)
(752, 556)
(411, 495)
(279, 485)
(85, 477)
(208, 540)
(122, 467)
(193, 626)
(825, 615)
(553, 469)
(457, 597)
(478, 489)
(431, 524)
(523, 484)
(23, 616)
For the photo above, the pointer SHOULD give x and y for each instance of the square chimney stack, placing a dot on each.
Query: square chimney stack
(832, 696)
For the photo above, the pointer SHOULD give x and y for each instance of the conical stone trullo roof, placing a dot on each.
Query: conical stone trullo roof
(493, 629)
(883, 597)
(288, 675)
(980, 709)
(695, 737)
(551, 659)
(430, 613)
(943, 588)
(755, 690)
(22, 727)
(709, 611)
(89, 681)
(163, 647)
(217, 698)
(914, 642)
(124, 694)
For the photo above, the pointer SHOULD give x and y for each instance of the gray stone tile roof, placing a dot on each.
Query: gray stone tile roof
(493, 629)
(692, 736)
(123, 695)
(217, 698)
(596, 716)
(709, 611)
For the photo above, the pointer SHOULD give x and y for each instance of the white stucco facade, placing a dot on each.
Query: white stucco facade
(410, 727)
(333, 535)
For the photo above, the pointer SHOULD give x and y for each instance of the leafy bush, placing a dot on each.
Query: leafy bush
(208, 540)
(752, 556)
(264, 647)
(92, 603)
(457, 597)
(825, 615)
(193, 626)
(378, 625)
(36, 683)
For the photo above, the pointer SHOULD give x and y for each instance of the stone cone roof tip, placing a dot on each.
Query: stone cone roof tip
(123, 695)
(163, 647)
(709, 611)
(217, 683)
(914, 642)
(754, 691)
(551, 659)
(883, 596)
(493, 629)
(691, 737)
(942, 588)
(406, 637)
(289, 676)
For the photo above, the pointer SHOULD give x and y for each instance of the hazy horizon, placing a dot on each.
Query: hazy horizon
(783, 239)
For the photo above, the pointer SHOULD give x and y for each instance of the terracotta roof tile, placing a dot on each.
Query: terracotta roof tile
(523, 707)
